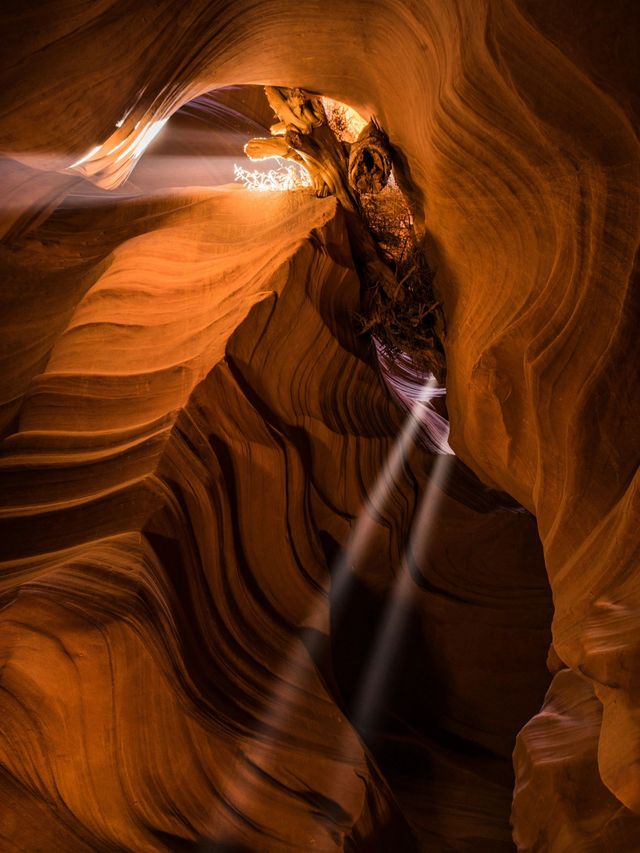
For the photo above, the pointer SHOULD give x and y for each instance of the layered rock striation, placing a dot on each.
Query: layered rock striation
(515, 128)
(174, 668)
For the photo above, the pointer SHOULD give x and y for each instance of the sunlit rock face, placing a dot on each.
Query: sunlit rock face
(147, 658)
(193, 428)
(183, 641)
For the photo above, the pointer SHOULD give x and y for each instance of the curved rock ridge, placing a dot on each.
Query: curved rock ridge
(557, 775)
(41, 287)
(517, 126)
(149, 676)
(206, 423)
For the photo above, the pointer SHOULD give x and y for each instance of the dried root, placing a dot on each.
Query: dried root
(400, 308)
(370, 160)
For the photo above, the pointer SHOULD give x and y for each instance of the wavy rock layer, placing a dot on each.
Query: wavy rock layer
(149, 667)
(516, 123)
(206, 424)
(556, 758)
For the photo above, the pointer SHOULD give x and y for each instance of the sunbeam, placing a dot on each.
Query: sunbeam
(374, 682)
(295, 676)
(377, 500)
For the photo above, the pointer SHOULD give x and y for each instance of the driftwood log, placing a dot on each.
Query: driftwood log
(302, 134)
(355, 172)
(370, 160)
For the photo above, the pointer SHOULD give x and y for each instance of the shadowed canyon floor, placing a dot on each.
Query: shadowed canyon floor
(194, 573)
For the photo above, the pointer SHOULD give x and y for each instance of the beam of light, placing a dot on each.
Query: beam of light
(135, 143)
(290, 681)
(287, 176)
(139, 143)
(375, 680)
(377, 500)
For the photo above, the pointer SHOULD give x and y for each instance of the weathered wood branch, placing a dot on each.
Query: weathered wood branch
(295, 108)
(370, 160)
(261, 148)
(302, 134)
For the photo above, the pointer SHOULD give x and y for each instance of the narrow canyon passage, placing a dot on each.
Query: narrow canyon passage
(187, 535)
(258, 594)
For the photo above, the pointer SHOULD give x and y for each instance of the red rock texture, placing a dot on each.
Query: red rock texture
(557, 776)
(188, 409)
(206, 421)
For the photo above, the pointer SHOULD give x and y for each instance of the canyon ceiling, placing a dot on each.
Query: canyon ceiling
(244, 607)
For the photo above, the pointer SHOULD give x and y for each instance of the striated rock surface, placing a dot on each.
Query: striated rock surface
(557, 776)
(153, 685)
(207, 422)
(517, 125)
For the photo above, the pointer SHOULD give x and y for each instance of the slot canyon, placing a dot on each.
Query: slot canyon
(267, 583)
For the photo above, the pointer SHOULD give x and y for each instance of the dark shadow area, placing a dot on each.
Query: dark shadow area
(468, 671)
(183, 845)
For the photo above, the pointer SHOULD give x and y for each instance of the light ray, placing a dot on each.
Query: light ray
(290, 681)
(376, 502)
(374, 682)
